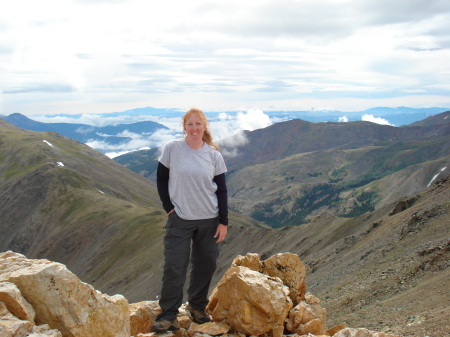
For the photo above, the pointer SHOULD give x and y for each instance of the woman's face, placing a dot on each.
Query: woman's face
(194, 128)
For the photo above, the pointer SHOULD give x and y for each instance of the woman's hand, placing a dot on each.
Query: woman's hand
(173, 210)
(221, 233)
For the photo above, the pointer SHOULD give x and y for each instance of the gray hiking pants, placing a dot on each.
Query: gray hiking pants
(177, 251)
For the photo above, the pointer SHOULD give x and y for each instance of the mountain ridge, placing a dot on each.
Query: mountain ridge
(86, 133)
(318, 168)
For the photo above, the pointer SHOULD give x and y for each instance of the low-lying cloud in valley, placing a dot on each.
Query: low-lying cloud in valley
(377, 120)
(226, 128)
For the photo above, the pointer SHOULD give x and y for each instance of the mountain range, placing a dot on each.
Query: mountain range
(112, 134)
(292, 171)
(122, 137)
(385, 268)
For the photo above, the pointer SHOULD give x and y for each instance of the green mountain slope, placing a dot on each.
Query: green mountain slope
(64, 201)
(346, 183)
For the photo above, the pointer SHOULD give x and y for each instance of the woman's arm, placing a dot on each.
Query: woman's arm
(222, 200)
(162, 183)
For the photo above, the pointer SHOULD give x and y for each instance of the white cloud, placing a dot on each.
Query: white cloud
(77, 56)
(136, 142)
(253, 119)
(377, 120)
(230, 145)
(343, 119)
(226, 125)
(83, 130)
(226, 129)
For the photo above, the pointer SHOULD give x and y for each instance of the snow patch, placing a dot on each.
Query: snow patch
(435, 176)
(48, 143)
(60, 163)
(101, 192)
(432, 179)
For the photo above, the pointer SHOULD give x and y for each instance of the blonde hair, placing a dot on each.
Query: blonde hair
(207, 137)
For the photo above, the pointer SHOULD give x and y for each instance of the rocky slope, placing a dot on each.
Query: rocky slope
(386, 270)
(41, 298)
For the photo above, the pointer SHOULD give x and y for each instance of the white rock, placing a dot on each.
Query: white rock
(61, 300)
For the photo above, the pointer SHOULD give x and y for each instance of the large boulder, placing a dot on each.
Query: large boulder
(62, 301)
(287, 266)
(290, 269)
(250, 302)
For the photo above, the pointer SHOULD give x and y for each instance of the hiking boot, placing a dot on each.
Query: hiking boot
(163, 325)
(198, 316)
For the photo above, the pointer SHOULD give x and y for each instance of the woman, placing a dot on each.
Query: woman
(192, 187)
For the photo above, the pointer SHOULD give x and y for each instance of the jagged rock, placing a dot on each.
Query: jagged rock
(403, 204)
(307, 317)
(61, 300)
(44, 331)
(142, 316)
(251, 261)
(14, 301)
(277, 331)
(210, 328)
(335, 329)
(184, 321)
(350, 332)
(288, 267)
(259, 303)
(10, 325)
(252, 298)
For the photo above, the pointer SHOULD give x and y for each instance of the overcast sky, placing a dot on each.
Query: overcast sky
(98, 56)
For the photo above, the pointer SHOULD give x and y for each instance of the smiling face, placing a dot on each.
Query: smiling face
(194, 127)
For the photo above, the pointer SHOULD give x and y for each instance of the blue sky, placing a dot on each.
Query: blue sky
(100, 56)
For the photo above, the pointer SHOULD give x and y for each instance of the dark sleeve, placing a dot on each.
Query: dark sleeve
(222, 198)
(162, 182)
